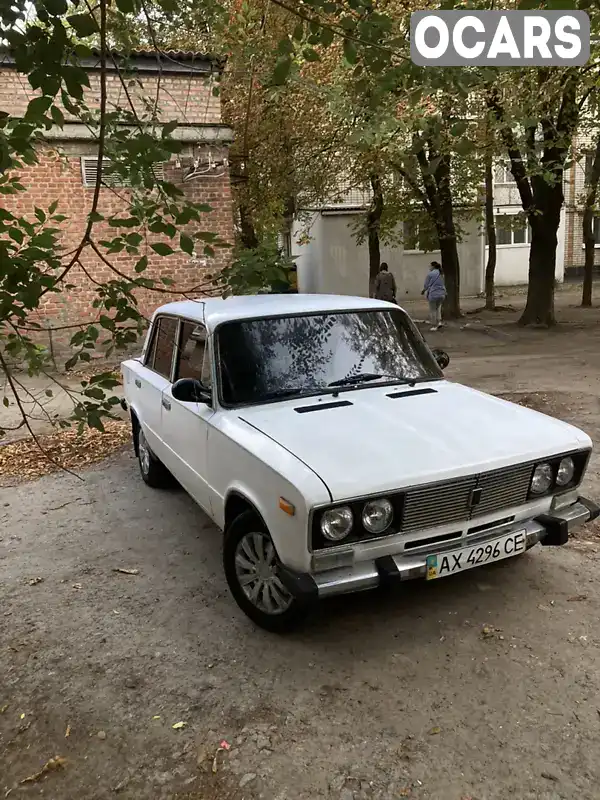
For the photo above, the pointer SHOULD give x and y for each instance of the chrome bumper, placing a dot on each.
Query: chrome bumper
(548, 529)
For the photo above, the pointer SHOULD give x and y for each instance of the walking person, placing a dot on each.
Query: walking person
(385, 285)
(435, 291)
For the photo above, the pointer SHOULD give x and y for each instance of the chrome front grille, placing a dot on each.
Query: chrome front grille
(465, 498)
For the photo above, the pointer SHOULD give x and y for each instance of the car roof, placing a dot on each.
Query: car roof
(215, 310)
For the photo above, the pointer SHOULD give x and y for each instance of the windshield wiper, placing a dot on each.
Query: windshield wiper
(365, 377)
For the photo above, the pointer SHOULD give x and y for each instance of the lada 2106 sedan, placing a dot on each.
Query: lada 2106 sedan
(319, 434)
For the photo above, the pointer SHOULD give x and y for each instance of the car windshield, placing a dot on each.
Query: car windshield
(295, 356)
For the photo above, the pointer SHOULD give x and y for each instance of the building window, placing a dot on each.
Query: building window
(502, 174)
(412, 236)
(511, 229)
(596, 230)
(89, 173)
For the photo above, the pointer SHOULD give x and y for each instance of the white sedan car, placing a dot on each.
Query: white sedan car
(319, 434)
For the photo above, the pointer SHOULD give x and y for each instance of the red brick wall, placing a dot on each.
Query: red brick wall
(58, 177)
(185, 97)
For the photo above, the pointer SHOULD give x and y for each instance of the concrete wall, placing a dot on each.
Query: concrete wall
(332, 262)
(512, 265)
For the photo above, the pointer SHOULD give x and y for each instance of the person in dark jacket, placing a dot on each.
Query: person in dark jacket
(385, 285)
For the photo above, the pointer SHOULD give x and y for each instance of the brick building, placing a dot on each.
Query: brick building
(67, 168)
(576, 183)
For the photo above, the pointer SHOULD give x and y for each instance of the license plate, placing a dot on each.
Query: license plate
(444, 564)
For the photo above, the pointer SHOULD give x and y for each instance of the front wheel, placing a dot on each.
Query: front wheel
(252, 570)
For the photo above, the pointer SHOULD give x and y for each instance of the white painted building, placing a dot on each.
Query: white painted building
(329, 260)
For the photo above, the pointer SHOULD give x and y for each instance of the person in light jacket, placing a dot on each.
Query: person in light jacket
(435, 291)
(385, 285)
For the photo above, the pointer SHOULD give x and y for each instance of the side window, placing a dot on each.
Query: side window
(194, 360)
(160, 354)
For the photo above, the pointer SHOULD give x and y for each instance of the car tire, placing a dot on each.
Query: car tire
(248, 550)
(153, 471)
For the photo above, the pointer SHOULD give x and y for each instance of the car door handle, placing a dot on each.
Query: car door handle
(166, 403)
(138, 383)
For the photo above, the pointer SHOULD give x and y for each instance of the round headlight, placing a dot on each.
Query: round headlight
(566, 471)
(377, 515)
(542, 479)
(336, 523)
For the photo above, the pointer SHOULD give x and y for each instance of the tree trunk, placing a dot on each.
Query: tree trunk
(590, 256)
(248, 236)
(588, 229)
(490, 227)
(374, 215)
(539, 309)
(446, 230)
(451, 269)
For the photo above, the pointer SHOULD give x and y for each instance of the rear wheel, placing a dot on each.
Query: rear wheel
(252, 569)
(153, 471)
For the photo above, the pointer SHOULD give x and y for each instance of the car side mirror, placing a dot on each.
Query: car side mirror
(442, 357)
(190, 390)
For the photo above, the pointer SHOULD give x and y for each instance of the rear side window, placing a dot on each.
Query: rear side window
(194, 359)
(160, 355)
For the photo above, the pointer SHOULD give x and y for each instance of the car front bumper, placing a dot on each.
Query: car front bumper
(548, 529)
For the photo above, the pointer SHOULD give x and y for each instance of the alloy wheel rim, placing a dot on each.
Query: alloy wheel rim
(256, 570)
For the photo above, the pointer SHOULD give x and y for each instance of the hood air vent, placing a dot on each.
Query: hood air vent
(322, 407)
(412, 393)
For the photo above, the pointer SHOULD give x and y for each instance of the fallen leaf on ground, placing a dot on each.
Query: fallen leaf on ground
(77, 586)
(435, 731)
(51, 765)
(127, 571)
(577, 598)
(35, 581)
(68, 732)
(224, 745)
(156, 716)
(179, 725)
(3, 708)
(22, 460)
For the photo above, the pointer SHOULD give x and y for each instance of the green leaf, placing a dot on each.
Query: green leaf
(57, 116)
(6, 401)
(126, 6)
(52, 207)
(49, 393)
(141, 264)
(282, 70)
(327, 37)
(169, 128)
(310, 54)
(95, 216)
(84, 24)
(350, 53)
(187, 244)
(16, 234)
(38, 107)
(56, 7)
(458, 128)
(40, 214)
(298, 33)
(168, 281)
(162, 249)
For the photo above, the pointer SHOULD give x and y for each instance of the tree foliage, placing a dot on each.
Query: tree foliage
(45, 40)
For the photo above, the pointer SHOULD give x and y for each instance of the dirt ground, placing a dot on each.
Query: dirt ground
(482, 687)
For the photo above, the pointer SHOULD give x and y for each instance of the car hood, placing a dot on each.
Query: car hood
(380, 443)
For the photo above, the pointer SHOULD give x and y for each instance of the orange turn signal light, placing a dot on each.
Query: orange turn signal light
(284, 505)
